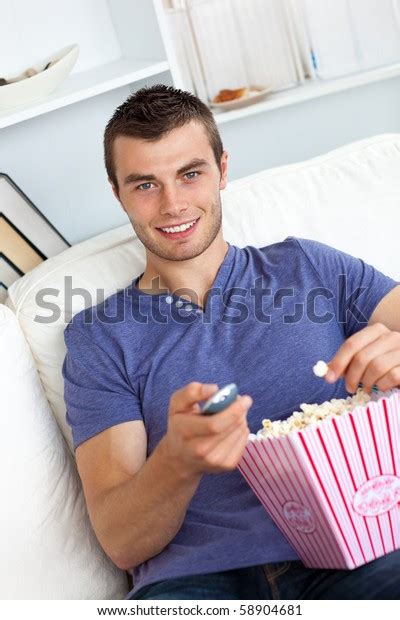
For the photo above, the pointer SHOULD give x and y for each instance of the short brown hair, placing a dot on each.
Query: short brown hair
(152, 112)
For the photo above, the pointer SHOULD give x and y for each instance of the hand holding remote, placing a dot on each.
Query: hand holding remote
(198, 443)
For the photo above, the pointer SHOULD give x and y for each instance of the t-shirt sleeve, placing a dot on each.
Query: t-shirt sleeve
(357, 287)
(96, 392)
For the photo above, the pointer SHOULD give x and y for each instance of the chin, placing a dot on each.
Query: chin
(183, 252)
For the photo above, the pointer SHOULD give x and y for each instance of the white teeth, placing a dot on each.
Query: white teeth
(174, 229)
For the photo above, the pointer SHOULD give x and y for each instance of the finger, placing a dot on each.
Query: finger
(187, 397)
(365, 365)
(220, 422)
(223, 421)
(205, 445)
(227, 453)
(383, 372)
(350, 348)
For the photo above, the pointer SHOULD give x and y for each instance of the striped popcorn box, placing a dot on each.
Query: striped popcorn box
(333, 488)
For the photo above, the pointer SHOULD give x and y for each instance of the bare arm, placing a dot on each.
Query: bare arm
(137, 518)
(136, 506)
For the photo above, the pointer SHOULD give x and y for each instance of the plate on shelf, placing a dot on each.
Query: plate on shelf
(253, 95)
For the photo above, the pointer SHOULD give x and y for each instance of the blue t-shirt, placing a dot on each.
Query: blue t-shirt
(270, 315)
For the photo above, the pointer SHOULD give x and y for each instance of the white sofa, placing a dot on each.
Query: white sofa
(348, 198)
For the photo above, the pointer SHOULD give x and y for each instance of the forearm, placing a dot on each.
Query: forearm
(137, 519)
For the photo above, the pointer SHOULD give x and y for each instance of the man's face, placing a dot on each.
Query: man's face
(160, 186)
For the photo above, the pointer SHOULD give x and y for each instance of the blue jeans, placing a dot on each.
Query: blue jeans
(289, 580)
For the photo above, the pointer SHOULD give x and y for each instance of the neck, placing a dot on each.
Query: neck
(191, 278)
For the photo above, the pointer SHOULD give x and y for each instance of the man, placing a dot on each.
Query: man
(160, 480)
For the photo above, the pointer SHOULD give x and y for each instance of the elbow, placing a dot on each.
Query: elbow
(113, 546)
(123, 564)
(119, 557)
(121, 560)
(126, 560)
(126, 552)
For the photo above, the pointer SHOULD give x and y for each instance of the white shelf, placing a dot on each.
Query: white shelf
(310, 90)
(86, 84)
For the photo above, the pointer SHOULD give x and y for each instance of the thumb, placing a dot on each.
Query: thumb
(186, 399)
(332, 373)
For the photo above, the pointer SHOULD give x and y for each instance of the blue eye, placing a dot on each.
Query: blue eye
(193, 172)
(139, 186)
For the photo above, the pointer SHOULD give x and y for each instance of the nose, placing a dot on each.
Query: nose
(171, 202)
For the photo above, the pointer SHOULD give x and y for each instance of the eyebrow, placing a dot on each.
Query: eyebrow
(140, 176)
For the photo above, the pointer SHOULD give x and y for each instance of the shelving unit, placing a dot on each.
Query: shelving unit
(56, 156)
(310, 90)
(84, 85)
(130, 34)
(126, 48)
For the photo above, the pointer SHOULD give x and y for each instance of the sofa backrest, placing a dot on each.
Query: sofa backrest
(348, 198)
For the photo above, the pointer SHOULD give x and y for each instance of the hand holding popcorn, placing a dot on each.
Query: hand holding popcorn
(371, 356)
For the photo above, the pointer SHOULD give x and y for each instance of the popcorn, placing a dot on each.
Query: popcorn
(320, 369)
(313, 414)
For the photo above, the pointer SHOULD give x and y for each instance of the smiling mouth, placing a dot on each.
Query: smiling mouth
(178, 227)
(183, 230)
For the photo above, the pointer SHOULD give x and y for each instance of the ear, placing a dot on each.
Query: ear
(224, 170)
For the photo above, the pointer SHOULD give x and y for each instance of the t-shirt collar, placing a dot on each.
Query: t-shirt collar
(214, 300)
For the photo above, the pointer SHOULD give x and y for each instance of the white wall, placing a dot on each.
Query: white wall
(57, 158)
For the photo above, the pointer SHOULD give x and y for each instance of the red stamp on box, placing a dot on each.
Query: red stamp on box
(377, 496)
(298, 516)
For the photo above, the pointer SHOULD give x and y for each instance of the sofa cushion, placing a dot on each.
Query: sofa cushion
(348, 198)
(98, 266)
(48, 547)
